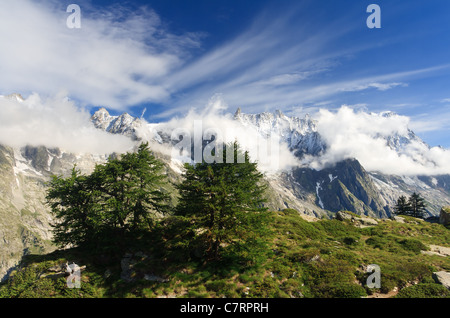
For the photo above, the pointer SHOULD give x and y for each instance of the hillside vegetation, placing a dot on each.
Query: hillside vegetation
(327, 258)
(119, 226)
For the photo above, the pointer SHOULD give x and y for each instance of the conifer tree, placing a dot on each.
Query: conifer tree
(73, 202)
(402, 207)
(413, 206)
(118, 200)
(224, 203)
(417, 204)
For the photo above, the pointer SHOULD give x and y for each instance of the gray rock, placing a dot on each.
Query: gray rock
(358, 221)
(367, 221)
(127, 265)
(154, 278)
(444, 216)
(438, 250)
(342, 216)
(442, 278)
(398, 219)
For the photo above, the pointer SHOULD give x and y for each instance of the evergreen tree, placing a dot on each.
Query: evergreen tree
(223, 202)
(132, 187)
(402, 207)
(73, 202)
(417, 204)
(413, 206)
(118, 200)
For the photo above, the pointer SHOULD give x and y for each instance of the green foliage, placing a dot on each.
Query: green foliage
(413, 245)
(224, 204)
(414, 206)
(425, 290)
(333, 278)
(261, 254)
(116, 202)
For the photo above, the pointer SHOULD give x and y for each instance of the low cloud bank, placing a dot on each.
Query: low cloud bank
(211, 122)
(54, 122)
(381, 142)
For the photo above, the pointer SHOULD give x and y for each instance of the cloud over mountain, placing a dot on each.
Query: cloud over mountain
(380, 141)
(54, 122)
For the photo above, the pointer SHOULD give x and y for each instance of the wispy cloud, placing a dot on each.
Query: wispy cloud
(378, 86)
(117, 59)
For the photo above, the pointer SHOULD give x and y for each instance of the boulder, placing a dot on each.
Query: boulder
(357, 221)
(442, 278)
(444, 216)
(367, 221)
(342, 216)
(398, 219)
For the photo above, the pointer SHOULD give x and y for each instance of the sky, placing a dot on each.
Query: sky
(160, 59)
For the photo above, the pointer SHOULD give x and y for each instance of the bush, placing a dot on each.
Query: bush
(427, 290)
(345, 290)
(349, 240)
(413, 245)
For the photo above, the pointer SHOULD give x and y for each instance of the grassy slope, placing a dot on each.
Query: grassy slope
(306, 259)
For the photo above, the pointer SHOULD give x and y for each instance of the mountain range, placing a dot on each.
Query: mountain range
(25, 222)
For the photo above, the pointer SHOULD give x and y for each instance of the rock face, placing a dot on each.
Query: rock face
(444, 216)
(25, 218)
(345, 186)
(442, 278)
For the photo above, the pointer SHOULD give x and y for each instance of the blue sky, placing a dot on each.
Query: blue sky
(169, 56)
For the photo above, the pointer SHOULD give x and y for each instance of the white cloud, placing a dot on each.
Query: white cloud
(54, 122)
(362, 135)
(378, 86)
(270, 154)
(117, 58)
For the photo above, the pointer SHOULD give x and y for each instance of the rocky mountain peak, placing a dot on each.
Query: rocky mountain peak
(237, 114)
(15, 97)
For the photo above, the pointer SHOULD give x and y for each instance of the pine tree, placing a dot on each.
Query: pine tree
(413, 206)
(73, 202)
(402, 207)
(224, 203)
(417, 204)
(117, 201)
(133, 189)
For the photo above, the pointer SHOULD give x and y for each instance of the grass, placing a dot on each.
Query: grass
(323, 259)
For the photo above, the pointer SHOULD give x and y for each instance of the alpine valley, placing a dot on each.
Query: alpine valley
(25, 220)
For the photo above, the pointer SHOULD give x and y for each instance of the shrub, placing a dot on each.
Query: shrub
(344, 290)
(426, 290)
(413, 245)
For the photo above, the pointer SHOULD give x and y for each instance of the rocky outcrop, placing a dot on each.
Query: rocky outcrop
(442, 278)
(25, 218)
(444, 216)
(344, 186)
(398, 219)
(438, 250)
(359, 221)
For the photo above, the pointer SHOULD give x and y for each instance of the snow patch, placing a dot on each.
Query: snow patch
(434, 181)
(319, 187)
(176, 165)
